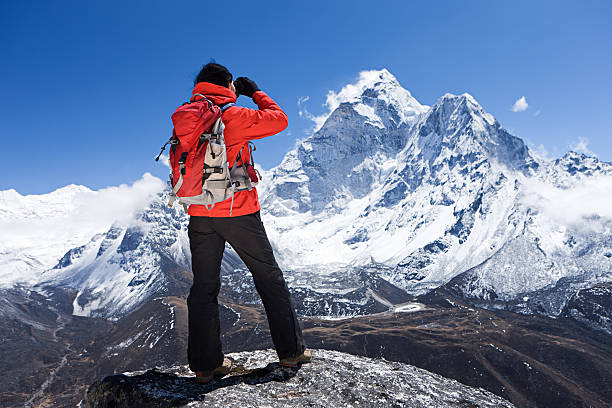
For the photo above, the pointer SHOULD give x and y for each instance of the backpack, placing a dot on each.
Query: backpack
(198, 157)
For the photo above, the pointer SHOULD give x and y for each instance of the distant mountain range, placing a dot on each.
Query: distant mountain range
(388, 200)
(386, 190)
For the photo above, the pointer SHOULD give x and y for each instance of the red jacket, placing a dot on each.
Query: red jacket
(241, 125)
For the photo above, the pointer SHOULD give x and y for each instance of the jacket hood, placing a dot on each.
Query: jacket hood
(216, 93)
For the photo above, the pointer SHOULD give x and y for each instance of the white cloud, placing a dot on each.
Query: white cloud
(581, 146)
(303, 112)
(537, 113)
(118, 203)
(78, 208)
(43, 227)
(520, 105)
(574, 206)
(165, 160)
(301, 101)
(541, 152)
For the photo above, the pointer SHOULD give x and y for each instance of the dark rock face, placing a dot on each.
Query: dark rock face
(132, 238)
(332, 379)
(70, 256)
(592, 307)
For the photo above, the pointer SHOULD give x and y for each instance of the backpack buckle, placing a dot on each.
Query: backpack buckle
(183, 158)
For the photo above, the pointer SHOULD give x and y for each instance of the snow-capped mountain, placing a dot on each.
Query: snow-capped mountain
(388, 197)
(444, 191)
(23, 254)
(401, 184)
(120, 268)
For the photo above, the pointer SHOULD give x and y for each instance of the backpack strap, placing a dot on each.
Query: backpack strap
(203, 98)
(227, 105)
(247, 179)
(179, 182)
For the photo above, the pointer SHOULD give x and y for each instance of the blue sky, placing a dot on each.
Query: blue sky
(87, 88)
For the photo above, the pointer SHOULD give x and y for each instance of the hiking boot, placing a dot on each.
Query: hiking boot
(204, 377)
(305, 357)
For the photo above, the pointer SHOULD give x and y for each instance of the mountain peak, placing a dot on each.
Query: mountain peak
(73, 187)
(377, 77)
(10, 193)
(574, 158)
(580, 164)
(574, 155)
(66, 190)
(464, 103)
(377, 96)
(458, 126)
(463, 98)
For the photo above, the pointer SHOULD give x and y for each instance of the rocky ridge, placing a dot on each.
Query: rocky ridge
(592, 307)
(332, 379)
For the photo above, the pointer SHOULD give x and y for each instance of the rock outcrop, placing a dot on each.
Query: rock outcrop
(332, 379)
(592, 307)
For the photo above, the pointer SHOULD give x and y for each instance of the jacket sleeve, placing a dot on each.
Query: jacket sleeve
(269, 119)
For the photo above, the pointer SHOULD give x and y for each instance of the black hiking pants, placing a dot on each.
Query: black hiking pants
(246, 234)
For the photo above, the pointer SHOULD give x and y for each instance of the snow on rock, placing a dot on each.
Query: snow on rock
(408, 308)
(332, 379)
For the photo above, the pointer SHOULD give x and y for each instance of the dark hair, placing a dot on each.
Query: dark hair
(215, 74)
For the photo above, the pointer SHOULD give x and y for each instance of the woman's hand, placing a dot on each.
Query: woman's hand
(245, 86)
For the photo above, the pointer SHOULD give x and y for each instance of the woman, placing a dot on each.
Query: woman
(209, 230)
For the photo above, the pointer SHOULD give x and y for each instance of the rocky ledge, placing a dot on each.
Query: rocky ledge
(332, 379)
